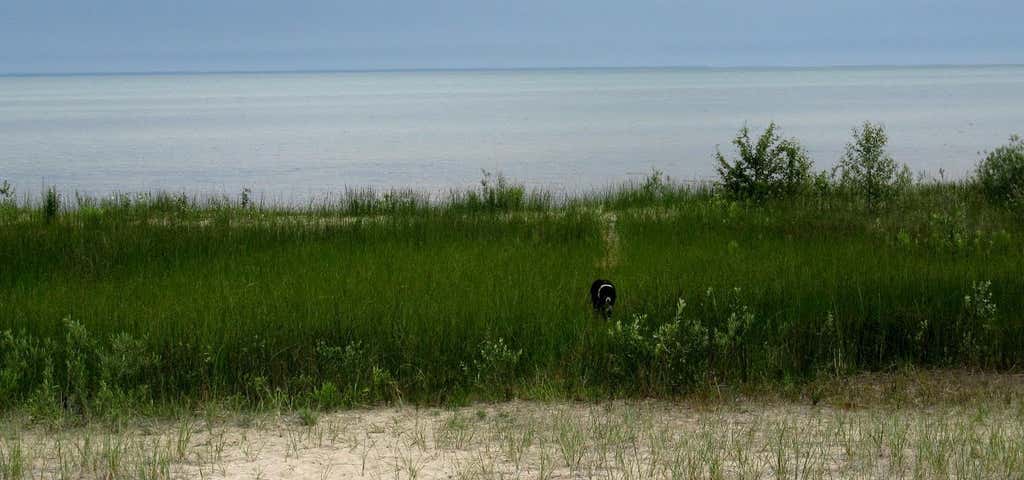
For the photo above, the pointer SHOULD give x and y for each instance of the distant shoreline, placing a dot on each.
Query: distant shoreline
(143, 73)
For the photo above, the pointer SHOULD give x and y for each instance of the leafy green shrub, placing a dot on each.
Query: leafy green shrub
(773, 167)
(671, 356)
(45, 401)
(949, 230)
(6, 193)
(681, 348)
(20, 359)
(245, 199)
(496, 365)
(979, 332)
(8, 205)
(867, 170)
(729, 336)
(630, 348)
(104, 377)
(730, 321)
(80, 375)
(1001, 173)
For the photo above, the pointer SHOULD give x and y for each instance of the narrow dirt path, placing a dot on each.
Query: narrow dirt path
(611, 242)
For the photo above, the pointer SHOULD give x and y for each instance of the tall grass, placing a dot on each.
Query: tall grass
(372, 297)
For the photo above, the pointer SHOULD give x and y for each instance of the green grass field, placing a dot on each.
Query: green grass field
(148, 300)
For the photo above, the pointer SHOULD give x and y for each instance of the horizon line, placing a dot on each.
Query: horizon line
(495, 69)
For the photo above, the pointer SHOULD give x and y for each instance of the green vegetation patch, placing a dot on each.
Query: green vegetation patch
(442, 303)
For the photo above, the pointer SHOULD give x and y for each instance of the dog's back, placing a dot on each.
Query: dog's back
(602, 295)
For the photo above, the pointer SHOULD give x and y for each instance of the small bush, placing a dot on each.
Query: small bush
(20, 359)
(51, 205)
(979, 330)
(681, 348)
(949, 230)
(496, 365)
(497, 193)
(867, 170)
(246, 198)
(773, 167)
(631, 349)
(672, 356)
(1001, 173)
(656, 185)
(6, 193)
(82, 375)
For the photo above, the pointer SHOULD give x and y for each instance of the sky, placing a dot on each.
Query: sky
(66, 36)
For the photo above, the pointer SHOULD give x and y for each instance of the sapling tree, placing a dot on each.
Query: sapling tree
(867, 170)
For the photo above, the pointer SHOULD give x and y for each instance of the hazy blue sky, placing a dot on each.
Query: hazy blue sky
(176, 35)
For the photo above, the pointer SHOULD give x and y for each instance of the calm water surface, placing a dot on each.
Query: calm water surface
(293, 136)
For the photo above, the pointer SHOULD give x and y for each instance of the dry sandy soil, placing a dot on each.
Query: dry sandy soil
(965, 428)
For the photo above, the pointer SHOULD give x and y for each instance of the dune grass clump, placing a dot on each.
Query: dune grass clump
(51, 205)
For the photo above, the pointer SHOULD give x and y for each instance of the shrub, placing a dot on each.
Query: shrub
(496, 193)
(979, 328)
(772, 167)
(496, 365)
(949, 230)
(630, 348)
(83, 375)
(671, 356)
(246, 197)
(867, 170)
(681, 348)
(51, 205)
(21, 357)
(1001, 173)
(656, 185)
(6, 192)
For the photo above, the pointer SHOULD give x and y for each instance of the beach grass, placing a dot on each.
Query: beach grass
(134, 301)
(904, 425)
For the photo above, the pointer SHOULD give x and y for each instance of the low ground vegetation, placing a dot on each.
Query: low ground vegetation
(908, 424)
(139, 303)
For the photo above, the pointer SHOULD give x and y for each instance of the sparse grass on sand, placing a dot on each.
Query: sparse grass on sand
(908, 425)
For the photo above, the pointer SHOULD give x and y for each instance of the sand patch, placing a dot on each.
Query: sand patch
(548, 440)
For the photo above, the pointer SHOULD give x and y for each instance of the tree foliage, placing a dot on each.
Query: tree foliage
(1001, 173)
(771, 167)
(866, 168)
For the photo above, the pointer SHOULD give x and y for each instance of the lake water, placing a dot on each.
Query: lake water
(292, 136)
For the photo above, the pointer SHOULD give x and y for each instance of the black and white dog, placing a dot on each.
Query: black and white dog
(602, 295)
